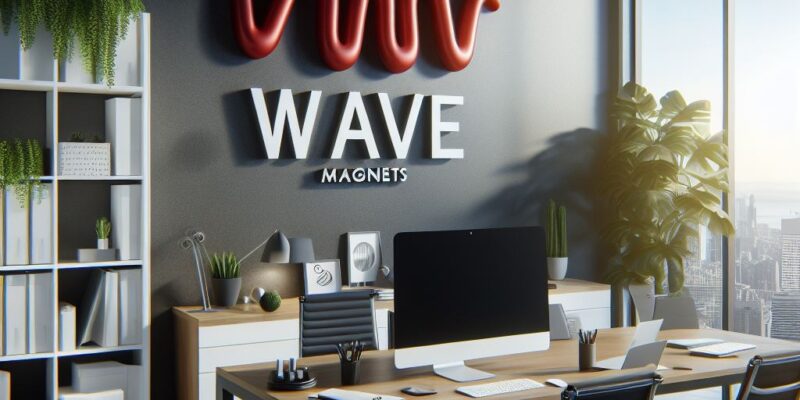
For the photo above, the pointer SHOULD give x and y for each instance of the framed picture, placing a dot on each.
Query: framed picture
(323, 276)
(364, 258)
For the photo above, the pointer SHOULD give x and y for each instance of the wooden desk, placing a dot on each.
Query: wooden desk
(245, 334)
(379, 376)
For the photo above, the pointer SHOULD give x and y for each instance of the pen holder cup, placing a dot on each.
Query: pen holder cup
(349, 372)
(586, 356)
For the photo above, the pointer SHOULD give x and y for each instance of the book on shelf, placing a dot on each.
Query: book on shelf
(99, 311)
(15, 314)
(42, 224)
(40, 313)
(67, 319)
(124, 131)
(126, 218)
(16, 229)
(5, 385)
(107, 375)
(130, 306)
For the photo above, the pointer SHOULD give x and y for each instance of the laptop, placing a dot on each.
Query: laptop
(644, 349)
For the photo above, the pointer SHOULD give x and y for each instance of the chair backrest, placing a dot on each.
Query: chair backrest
(677, 312)
(329, 319)
(632, 384)
(772, 376)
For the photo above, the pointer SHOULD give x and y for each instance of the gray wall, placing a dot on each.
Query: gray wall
(535, 97)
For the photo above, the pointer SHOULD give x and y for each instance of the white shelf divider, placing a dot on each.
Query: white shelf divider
(53, 88)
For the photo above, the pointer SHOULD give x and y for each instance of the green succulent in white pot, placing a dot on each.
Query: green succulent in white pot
(556, 241)
(663, 178)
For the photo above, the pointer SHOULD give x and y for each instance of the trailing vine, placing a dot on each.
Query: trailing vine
(98, 25)
(21, 167)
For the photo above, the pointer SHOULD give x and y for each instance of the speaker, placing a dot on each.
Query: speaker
(364, 258)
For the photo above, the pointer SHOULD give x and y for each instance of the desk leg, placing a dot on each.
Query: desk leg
(727, 392)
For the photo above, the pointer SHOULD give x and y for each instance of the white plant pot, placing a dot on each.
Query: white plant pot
(35, 63)
(644, 299)
(102, 244)
(557, 268)
(126, 71)
(84, 159)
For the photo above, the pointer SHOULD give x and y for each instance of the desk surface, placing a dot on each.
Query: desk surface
(245, 313)
(378, 374)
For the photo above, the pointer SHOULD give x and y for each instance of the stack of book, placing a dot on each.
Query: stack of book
(110, 314)
(27, 315)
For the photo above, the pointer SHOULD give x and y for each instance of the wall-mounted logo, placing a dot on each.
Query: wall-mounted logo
(398, 37)
(286, 118)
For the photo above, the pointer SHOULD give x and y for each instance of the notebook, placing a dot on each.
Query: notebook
(339, 394)
(646, 333)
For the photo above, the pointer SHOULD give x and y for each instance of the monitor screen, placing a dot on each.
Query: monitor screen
(455, 286)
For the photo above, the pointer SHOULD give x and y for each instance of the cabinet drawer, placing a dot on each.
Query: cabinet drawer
(582, 301)
(253, 332)
(213, 357)
(595, 318)
(382, 318)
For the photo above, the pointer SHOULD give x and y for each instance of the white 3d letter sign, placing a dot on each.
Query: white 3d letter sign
(286, 114)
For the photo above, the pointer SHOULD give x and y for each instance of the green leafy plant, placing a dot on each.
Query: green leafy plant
(21, 167)
(664, 177)
(556, 226)
(98, 25)
(224, 265)
(103, 228)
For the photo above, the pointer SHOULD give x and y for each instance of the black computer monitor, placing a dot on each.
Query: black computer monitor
(469, 294)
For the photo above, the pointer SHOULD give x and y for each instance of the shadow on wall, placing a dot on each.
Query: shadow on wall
(565, 172)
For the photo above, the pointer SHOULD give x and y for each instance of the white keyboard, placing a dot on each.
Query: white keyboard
(491, 389)
(721, 349)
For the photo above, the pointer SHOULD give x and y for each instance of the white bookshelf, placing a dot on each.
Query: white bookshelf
(140, 353)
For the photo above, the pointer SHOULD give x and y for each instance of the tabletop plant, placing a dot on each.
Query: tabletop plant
(102, 227)
(21, 167)
(224, 266)
(556, 238)
(663, 178)
(97, 25)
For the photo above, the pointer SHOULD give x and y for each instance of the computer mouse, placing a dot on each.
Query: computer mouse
(557, 382)
(415, 391)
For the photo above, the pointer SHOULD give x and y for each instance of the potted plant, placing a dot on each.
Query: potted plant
(103, 229)
(556, 238)
(98, 27)
(226, 277)
(21, 167)
(664, 177)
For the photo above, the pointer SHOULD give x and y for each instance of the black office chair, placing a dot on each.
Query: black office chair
(632, 384)
(328, 319)
(677, 312)
(772, 376)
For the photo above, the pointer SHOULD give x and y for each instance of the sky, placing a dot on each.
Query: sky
(682, 49)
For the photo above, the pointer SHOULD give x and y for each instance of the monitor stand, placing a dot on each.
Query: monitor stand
(459, 372)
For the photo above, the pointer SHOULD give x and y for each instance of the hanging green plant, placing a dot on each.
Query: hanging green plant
(98, 25)
(21, 167)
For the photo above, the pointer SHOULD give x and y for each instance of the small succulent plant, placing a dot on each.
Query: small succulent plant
(103, 228)
(224, 265)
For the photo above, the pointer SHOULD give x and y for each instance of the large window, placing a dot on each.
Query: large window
(682, 49)
(767, 168)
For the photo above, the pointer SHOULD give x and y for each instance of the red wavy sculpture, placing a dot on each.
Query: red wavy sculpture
(457, 48)
(337, 53)
(258, 41)
(398, 41)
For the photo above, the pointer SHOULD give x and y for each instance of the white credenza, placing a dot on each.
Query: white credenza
(247, 335)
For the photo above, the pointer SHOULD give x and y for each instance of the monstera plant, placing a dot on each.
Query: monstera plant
(663, 178)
